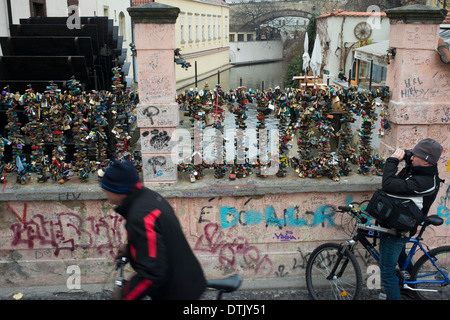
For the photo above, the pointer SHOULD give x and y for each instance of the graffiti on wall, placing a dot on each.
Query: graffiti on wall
(290, 217)
(443, 206)
(216, 241)
(221, 237)
(229, 216)
(66, 231)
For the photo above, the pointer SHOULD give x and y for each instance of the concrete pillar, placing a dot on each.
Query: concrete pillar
(419, 81)
(157, 112)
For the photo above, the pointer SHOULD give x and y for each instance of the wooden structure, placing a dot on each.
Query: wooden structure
(41, 50)
(308, 81)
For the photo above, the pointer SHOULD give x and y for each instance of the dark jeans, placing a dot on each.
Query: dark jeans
(392, 251)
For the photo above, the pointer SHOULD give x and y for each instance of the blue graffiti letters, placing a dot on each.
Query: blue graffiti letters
(323, 216)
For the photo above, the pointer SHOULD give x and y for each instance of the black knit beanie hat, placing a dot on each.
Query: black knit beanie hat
(120, 177)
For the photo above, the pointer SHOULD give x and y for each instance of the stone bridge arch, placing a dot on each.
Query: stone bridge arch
(252, 14)
(283, 13)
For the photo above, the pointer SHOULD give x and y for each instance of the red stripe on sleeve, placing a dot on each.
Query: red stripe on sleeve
(138, 290)
(149, 222)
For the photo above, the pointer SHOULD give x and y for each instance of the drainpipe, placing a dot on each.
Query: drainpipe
(10, 18)
(133, 41)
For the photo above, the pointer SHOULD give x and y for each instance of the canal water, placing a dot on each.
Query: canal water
(258, 76)
(255, 76)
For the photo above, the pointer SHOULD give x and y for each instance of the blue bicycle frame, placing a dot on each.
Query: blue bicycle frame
(416, 243)
(361, 235)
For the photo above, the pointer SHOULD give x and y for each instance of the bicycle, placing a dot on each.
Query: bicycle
(333, 272)
(226, 285)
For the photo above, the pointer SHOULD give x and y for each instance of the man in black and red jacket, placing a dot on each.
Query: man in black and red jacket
(166, 267)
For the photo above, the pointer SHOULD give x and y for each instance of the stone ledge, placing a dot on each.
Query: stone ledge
(207, 187)
(417, 13)
(154, 13)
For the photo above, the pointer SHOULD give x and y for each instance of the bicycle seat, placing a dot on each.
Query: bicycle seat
(226, 285)
(433, 220)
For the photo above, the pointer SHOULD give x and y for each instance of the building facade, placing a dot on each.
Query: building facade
(202, 28)
(341, 32)
(202, 35)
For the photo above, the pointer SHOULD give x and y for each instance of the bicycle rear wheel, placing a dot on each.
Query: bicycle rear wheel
(346, 281)
(425, 270)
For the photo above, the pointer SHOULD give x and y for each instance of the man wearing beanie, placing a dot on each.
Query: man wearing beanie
(419, 181)
(166, 268)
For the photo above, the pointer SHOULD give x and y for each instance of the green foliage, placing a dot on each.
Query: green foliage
(311, 30)
(295, 66)
(294, 69)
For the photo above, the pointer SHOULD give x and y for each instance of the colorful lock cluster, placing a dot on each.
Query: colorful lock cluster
(320, 119)
(60, 134)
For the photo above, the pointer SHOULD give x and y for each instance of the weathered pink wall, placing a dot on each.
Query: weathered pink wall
(420, 105)
(40, 239)
(157, 109)
(260, 237)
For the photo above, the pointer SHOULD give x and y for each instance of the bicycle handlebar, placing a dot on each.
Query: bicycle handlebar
(345, 208)
(121, 263)
(120, 266)
(349, 209)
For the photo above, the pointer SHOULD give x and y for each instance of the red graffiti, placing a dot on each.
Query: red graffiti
(68, 231)
(214, 241)
(23, 217)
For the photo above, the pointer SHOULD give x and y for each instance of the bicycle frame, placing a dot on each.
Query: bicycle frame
(416, 243)
(361, 237)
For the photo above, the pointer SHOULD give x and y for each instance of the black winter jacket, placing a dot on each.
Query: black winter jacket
(419, 183)
(159, 252)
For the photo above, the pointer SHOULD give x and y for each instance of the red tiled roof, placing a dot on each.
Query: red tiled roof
(135, 3)
(141, 2)
(342, 13)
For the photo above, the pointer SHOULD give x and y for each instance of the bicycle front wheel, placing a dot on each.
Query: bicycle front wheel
(332, 275)
(432, 275)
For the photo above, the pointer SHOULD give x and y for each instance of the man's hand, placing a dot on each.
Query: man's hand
(399, 154)
(122, 252)
(117, 294)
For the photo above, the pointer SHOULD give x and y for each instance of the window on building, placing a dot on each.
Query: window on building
(231, 37)
(249, 37)
(366, 70)
(182, 33)
(38, 8)
(240, 37)
(72, 3)
(122, 26)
